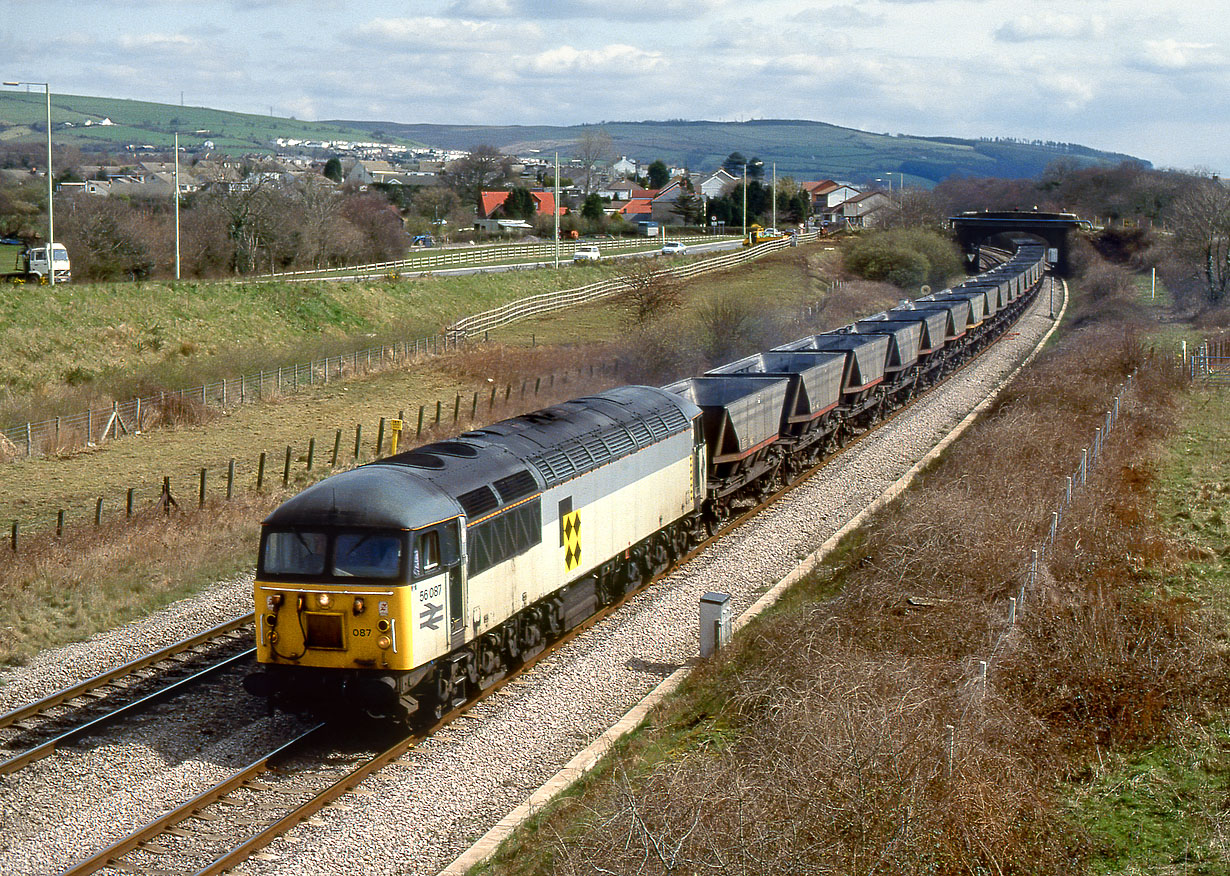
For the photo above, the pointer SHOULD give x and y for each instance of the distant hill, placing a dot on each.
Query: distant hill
(802, 149)
(77, 121)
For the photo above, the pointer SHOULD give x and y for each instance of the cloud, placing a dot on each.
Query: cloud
(628, 11)
(1171, 54)
(446, 36)
(603, 61)
(1050, 26)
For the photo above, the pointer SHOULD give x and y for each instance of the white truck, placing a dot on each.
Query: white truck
(32, 265)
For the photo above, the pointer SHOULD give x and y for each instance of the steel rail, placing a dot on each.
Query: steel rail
(129, 668)
(186, 810)
(18, 761)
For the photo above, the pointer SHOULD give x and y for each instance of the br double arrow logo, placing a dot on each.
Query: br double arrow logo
(431, 615)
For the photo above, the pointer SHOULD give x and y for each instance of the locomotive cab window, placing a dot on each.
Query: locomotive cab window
(436, 548)
(366, 555)
(427, 554)
(294, 553)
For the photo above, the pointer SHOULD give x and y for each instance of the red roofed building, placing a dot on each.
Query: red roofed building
(637, 207)
(489, 202)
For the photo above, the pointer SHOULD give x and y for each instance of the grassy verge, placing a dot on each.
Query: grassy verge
(1160, 808)
(817, 742)
(75, 343)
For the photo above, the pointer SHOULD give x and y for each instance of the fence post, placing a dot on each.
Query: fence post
(98, 512)
(950, 746)
(128, 504)
(337, 445)
(358, 438)
(29, 441)
(1011, 610)
(260, 473)
(474, 407)
(456, 408)
(13, 537)
(1084, 466)
(1068, 496)
(437, 412)
(420, 428)
(286, 468)
(380, 438)
(60, 523)
(201, 503)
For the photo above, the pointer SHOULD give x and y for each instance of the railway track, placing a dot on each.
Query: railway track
(226, 824)
(34, 731)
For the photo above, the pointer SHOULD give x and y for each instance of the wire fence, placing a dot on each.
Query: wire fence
(1028, 576)
(462, 257)
(550, 301)
(1210, 363)
(95, 426)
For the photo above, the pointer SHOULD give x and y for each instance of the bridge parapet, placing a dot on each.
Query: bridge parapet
(972, 229)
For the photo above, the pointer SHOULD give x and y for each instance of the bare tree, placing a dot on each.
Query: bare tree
(483, 168)
(595, 150)
(1201, 219)
(648, 292)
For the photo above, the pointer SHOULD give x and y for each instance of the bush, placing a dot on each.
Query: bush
(907, 258)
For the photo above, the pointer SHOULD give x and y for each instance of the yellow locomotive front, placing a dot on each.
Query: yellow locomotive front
(344, 577)
(333, 599)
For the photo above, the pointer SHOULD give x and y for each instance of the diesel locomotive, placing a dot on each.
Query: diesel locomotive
(403, 586)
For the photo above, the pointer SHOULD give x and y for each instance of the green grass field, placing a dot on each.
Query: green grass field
(155, 124)
(74, 342)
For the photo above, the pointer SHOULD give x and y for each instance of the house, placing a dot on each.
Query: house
(635, 208)
(827, 193)
(489, 202)
(625, 166)
(859, 211)
(717, 184)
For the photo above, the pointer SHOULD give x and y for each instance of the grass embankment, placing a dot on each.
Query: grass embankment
(62, 590)
(75, 343)
(817, 742)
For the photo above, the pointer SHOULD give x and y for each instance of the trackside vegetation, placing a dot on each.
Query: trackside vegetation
(816, 743)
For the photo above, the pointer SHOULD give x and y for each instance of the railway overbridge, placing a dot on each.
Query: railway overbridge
(974, 228)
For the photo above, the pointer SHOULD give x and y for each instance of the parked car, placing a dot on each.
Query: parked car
(674, 247)
(586, 254)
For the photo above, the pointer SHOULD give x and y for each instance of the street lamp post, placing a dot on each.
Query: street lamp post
(51, 227)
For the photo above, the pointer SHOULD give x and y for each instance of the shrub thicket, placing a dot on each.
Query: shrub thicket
(907, 258)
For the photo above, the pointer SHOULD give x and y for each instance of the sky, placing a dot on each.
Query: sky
(1150, 78)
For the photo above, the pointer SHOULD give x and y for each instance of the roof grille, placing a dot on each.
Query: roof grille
(478, 502)
(516, 486)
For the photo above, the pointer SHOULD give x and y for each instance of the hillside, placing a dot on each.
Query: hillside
(803, 149)
(800, 148)
(76, 121)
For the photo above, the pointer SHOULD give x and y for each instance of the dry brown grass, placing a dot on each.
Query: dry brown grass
(818, 743)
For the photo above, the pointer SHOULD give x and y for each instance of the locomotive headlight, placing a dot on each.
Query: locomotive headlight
(273, 637)
(384, 643)
(358, 605)
(324, 600)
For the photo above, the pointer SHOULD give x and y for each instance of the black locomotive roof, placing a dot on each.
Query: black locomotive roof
(481, 471)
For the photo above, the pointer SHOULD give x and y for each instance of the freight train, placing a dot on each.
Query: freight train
(402, 587)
